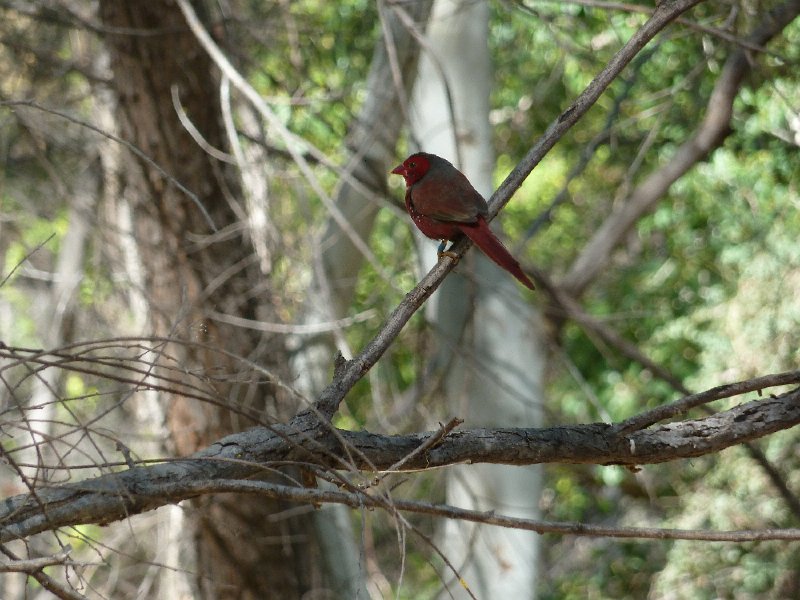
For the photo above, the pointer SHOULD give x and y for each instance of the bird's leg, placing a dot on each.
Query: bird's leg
(440, 251)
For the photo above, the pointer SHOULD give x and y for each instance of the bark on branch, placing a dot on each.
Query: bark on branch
(314, 444)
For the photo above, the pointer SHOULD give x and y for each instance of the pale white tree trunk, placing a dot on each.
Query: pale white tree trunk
(490, 338)
(338, 259)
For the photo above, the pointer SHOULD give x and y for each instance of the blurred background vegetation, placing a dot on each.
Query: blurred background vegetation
(707, 285)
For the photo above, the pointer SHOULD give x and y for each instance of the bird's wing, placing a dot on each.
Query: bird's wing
(450, 198)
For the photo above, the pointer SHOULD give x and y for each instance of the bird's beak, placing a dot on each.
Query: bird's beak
(399, 170)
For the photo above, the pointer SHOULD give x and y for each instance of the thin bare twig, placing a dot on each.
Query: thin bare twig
(429, 443)
(358, 500)
(667, 411)
(51, 585)
(594, 327)
(29, 565)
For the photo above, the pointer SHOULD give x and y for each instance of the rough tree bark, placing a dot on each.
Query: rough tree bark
(190, 270)
(224, 464)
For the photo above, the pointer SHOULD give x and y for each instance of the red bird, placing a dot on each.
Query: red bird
(444, 205)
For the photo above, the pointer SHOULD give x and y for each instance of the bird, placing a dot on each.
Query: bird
(444, 206)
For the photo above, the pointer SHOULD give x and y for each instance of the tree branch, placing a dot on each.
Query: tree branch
(308, 441)
(360, 500)
(565, 305)
(30, 565)
(354, 370)
(33, 567)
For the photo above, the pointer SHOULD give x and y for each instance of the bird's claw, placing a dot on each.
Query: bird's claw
(448, 253)
(440, 251)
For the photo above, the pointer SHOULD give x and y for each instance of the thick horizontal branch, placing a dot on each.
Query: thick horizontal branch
(589, 444)
(309, 441)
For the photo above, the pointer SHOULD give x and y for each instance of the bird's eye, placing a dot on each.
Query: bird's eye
(412, 165)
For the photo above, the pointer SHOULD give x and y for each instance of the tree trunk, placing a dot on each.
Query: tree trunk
(491, 339)
(242, 550)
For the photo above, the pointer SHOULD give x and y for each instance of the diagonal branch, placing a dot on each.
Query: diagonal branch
(354, 369)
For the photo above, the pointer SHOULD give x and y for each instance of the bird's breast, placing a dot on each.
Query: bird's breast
(430, 227)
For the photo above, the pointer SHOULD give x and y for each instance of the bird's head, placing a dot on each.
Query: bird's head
(413, 168)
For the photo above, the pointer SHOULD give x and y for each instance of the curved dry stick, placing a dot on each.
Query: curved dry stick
(59, 590)
(315, 496)
(360, 500)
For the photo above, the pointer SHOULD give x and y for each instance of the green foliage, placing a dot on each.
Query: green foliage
(316, 78)
(705, 285)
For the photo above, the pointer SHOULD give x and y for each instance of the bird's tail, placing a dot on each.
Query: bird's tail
(492, 247)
